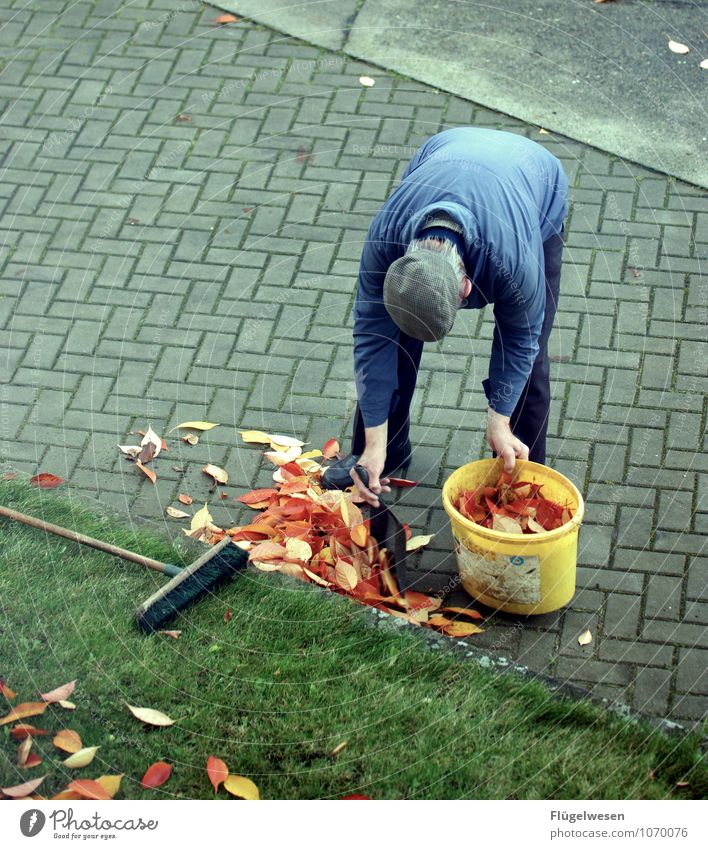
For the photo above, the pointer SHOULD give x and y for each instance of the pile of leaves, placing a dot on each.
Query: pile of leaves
(69, 743)
(320, 536)
(513, 508)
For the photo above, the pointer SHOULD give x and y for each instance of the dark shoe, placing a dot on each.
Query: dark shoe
(337, 475)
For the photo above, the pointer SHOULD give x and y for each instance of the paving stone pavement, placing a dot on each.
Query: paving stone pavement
(182, 212)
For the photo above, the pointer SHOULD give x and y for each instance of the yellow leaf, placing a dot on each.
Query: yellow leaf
(255, 436)
(278, 442)
(66, 704)
(175, 513)
(150, 716)
(345, 575)
(359, 535)
(110, 783)
(309, 455)
(309, 466)
(462, 629)
(298, 549)
(81, 758)
(267, 566)
(241, 787)
(201, 519)
(414, 543)
(196, 426)
(68, 741)
(60, 693)
(704, 65)
(677, 47)
(585, 638)
(316, 578)
(337, 749)
(219, 475)
(23, 751)
(366, 81)
(280, 458)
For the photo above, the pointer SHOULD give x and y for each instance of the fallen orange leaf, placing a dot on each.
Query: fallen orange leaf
(402, 482)
(256, 496)
(330, 449)
(156, 774)
(68, 741)
(46, 480)
(6, 691)
(359, 535)
(68, 794)
(22, 711)
(217, 771)
(147, 472)
(87, 788)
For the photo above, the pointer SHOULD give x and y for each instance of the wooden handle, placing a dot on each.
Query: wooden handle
(83, 539)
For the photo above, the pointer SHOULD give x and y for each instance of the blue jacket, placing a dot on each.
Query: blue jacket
(509, 194)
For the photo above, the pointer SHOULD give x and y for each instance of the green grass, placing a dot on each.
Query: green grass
(294, 673)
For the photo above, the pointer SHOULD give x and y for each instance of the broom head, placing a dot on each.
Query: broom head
(209, 572)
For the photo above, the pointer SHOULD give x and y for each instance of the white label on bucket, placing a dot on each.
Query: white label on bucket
(508, 578)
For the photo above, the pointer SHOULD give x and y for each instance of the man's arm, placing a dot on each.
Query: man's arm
(518, 312)
(375, 367)
(375, 341)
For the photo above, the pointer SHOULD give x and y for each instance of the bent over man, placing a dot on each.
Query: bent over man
(476, 219)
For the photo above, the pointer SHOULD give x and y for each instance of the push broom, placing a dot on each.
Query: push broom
(207, 573)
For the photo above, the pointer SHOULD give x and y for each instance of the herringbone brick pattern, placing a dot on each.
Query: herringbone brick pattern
(182, 212)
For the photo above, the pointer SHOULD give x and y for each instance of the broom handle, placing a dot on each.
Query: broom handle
(83, 539)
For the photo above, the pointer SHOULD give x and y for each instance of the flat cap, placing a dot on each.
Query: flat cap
(421, 294)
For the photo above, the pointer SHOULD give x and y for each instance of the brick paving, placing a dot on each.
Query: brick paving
(182, 212)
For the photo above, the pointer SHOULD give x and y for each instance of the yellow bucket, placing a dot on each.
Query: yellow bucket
(516, 573)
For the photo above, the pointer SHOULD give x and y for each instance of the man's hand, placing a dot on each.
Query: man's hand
(373, 460)
(501, 440)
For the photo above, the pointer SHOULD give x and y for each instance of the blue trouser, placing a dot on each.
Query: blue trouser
(529, 421)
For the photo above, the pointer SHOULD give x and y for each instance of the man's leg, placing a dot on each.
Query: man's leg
(409, 353)
(529, 421)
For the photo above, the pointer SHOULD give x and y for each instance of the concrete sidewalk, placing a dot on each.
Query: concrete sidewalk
(182, 213)
(598, 73)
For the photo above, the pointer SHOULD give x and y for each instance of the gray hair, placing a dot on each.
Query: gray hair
(443, 247)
